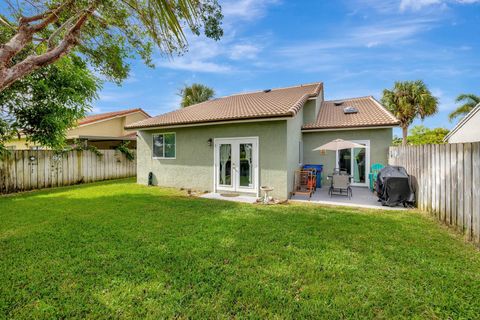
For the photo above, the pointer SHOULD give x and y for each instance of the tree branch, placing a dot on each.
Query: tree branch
(33, 62)
(14, 45)
(7, 23)
(25, 20)
(65, 25)
(50, 18)
(25, 34)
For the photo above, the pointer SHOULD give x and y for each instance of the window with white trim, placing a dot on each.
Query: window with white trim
(164, 145)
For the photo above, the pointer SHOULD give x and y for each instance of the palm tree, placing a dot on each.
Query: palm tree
(194, 94)
(409, 100)
(471, 101)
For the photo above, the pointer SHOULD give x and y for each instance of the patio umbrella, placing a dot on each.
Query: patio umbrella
(339, 144)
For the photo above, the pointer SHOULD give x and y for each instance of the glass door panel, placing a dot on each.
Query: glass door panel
(359, 165)
(225, 165)
(236, 164)
(344, 160)
(245, 167)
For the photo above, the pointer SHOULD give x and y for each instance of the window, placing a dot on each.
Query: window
(164, 146)
(300, 152)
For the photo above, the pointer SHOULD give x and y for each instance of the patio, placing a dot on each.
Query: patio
(361, 197)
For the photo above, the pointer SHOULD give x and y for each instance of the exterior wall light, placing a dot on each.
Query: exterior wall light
(210, 142)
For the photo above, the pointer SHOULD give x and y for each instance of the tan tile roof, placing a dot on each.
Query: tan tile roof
(276, 103)
(108, 115)
(370, 114)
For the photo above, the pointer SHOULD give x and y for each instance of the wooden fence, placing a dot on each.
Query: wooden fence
(447, 181)
(30, 169)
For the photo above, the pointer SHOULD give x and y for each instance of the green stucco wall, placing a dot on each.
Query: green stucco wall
(294, 136)
(309, 111)
(380, 140)
(193, 166)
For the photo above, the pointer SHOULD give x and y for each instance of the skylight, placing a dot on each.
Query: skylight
(349, 110)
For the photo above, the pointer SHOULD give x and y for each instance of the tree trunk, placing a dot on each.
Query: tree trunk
(404, 135)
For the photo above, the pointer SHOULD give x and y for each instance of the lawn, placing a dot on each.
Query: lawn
(120, 250)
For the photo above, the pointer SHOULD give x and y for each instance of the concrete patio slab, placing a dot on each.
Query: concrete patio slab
(361, 198)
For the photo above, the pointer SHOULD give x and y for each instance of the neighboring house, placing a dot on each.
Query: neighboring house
(104, 130)
(241, 142)
(467, 130)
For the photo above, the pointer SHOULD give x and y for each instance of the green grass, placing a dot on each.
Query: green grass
(119, 250)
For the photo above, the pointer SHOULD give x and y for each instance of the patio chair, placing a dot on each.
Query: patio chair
(340, 186)
(339, 171)
(372, 176)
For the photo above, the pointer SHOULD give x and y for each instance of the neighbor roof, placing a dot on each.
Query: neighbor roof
(370, 114)
(282, 102)
(462, 122)
(109, 115)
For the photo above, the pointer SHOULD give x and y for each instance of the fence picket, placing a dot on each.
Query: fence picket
(460, 188)
(467, 167)
(476, 192)
(447, 196)
(448, 178)
(453, 184)
(24, 170)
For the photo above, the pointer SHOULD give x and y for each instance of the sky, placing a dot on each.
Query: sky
(356, 47)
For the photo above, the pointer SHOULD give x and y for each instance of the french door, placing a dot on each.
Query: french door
(236, 164)
(356, 162)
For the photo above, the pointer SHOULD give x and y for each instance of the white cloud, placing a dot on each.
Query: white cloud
(116, 96)
(201, 57)
(208, 56)
(196, 65)
(246, 9)
(244, 51)
(368, 36)
(393, 6)
(465, 48)
(95, 110)
(416, 5)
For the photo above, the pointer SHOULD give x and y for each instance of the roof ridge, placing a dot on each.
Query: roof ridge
(126, 110)
(382, 107)
(353, 98)
(297, 105)
(287, 101)
(370, 106)
(273, 89)
(106, 115)
(462, 121)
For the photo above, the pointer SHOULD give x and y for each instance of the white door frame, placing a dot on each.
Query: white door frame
(367, 162)
(235, 142)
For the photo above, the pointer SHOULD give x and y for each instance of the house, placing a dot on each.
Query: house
(103, 130)
(467, 130)
(241, 142)
(107, 130)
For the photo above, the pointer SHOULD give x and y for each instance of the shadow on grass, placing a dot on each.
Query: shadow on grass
(116, 249)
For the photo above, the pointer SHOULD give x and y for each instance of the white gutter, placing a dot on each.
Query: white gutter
(209, 123)
(346, 129)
